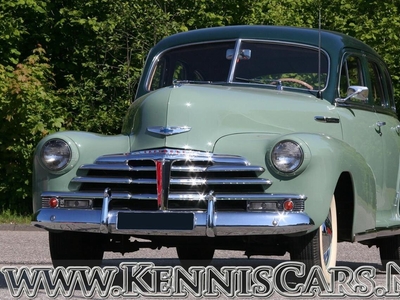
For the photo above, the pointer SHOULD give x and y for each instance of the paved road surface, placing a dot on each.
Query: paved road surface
(30, 248)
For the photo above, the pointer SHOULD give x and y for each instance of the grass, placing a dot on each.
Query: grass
(8, 217)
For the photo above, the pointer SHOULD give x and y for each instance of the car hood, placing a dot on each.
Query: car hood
(210, 112)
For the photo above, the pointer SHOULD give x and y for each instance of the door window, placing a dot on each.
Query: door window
(377, 92)
(351, 74)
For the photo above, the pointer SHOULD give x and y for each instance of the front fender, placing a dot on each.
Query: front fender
(329, 158)
(85, 147)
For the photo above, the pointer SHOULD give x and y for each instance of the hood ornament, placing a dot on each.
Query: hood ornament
(168, 130)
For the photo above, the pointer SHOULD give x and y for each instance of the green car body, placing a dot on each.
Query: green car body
(236, 148)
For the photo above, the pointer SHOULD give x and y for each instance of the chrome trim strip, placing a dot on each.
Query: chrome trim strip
(232, 67)
(261, 197)
(225, 223)
(196, 169)
(97, 195)
(176, 196)
(116, 167)
(85, 195)
(217, 168)
(163, 182)
(110, 180)
(250, 168)
(172, 154)
(228, 181)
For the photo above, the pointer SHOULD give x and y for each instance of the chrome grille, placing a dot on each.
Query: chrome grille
(173, 179)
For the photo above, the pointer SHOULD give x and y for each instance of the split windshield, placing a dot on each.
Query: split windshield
(267, 63)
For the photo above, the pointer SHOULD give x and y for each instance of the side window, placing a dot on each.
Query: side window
(351, 74)
(389, 89)
(377, 91)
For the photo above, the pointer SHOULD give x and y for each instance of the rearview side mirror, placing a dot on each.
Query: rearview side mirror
(355, 92)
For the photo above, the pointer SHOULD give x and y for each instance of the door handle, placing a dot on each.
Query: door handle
(380, 124)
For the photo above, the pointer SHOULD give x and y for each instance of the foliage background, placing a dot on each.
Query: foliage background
(75, 64)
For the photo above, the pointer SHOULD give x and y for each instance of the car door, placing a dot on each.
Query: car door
(381, 93)
(360, 130)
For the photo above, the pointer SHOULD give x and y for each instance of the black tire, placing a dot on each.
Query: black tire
(195, 255)
(76, 249)
(389, 250)
(319, 247)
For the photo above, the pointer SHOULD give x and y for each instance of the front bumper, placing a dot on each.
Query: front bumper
(197, 223)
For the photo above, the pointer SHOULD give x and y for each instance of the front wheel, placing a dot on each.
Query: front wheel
(76, 249)
(319, 247)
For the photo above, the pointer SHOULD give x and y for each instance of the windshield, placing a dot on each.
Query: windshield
(279, 65)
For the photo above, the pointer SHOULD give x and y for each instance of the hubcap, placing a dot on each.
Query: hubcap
(326, 235)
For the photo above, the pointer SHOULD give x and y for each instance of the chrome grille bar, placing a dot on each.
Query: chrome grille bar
(222, 181)
(111, 180)
(117, 167)
(175, 196)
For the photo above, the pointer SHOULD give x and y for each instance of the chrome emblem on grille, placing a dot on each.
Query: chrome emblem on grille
(169, 130)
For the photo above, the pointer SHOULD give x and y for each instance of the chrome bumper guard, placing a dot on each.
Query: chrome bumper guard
(197, 223)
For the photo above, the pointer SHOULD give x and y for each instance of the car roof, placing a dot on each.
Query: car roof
(330, 40)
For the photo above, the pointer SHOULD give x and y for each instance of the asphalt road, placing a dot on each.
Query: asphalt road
(27, 248)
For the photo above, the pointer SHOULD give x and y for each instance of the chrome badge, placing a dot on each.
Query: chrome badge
(169, 130)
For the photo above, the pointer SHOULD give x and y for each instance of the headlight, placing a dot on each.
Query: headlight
(287, 156)
(56, 154)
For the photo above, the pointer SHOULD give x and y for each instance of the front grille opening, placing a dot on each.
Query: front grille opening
(187, 204)
(133, 205)
(118, 174)
(229, 205)
(137, 189)
(97, 203)
(141, 163)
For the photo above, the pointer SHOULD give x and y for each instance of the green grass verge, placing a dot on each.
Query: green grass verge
(8, 217)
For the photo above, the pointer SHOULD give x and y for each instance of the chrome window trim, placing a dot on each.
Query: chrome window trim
(233, 62)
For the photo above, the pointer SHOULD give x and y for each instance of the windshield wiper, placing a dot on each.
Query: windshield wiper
(251, 80)
(175, 82)
(277, 83)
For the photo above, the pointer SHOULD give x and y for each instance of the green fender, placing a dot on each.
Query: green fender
(85, 147)
(326, 158)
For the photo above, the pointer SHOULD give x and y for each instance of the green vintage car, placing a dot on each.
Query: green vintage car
(260, 139)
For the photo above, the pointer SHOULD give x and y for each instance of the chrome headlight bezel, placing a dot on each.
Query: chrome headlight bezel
(289, 157)
(56, 155)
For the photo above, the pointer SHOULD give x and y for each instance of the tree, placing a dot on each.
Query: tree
(29, 110)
